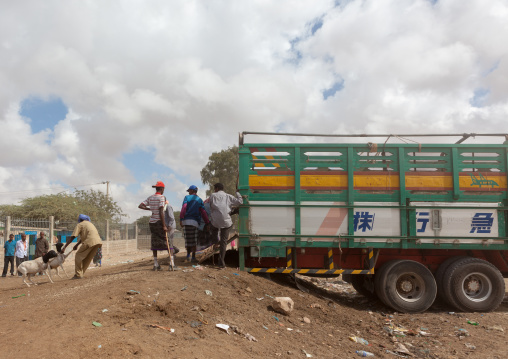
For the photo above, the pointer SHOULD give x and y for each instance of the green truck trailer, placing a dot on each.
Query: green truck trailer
(406, 221)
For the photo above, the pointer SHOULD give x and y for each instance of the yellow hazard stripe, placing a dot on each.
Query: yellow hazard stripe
(308, 271)
(289, 261)
(330, 259)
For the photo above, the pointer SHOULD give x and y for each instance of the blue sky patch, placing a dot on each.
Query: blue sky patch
(337, 86)
(297, 55)
(141, 164)
(43, 114)
(318, 24)
(479, 97)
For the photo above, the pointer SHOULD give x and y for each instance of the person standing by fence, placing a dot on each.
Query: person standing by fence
(21, 251)
(90, 243)
(41, 247)
(158, 228)
(10, 249)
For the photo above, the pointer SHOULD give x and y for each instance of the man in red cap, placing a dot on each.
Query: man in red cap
(158, 228)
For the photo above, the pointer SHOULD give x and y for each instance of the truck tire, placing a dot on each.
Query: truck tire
(346, 277)
(475, 285)
(364, 284)
(406, 286)
(440, 279)
(380, 280)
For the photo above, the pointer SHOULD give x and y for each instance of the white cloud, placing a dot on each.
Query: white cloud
(183, 78)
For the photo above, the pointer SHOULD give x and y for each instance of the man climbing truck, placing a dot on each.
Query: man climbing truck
(407, 221)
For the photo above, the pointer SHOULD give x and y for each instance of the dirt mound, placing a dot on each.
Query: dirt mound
(174, 314)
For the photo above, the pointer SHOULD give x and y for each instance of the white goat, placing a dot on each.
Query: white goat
(30, 268)
(58, 261)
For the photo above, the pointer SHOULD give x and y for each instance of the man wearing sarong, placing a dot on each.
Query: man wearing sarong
(192, 210)
(158, 228)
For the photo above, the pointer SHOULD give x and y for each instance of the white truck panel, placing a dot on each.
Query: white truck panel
(481, 222)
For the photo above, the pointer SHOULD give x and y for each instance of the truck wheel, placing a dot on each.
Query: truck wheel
(442, 293)
(476, 285)
(380, 280)
(364, 284)
(407, 286)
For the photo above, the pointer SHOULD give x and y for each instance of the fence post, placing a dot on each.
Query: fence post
(107, 238)
(107, 229)
(7, 227)
(51, 230)
(126, 231)
(136, 233)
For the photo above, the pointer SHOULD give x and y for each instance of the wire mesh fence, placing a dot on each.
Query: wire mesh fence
(59, 231)
(118, 238)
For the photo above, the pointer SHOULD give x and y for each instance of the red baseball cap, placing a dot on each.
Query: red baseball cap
(159, 184)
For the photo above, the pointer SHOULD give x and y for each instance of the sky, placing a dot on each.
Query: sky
(133, 92)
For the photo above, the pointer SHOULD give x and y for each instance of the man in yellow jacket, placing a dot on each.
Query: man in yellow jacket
(90, 243)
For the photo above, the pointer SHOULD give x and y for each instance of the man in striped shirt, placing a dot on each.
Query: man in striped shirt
(158, 228)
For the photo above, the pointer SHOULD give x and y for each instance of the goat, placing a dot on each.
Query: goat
(30, 268)
(58, 261)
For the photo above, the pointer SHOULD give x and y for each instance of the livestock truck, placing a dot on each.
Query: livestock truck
(406, 221)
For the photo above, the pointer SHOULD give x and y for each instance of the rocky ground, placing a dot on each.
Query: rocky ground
(140, 313)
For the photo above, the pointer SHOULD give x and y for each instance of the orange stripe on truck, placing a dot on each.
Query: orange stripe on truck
(424, 181)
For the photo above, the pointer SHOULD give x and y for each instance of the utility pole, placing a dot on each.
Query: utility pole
(107, 221)
(107, 188)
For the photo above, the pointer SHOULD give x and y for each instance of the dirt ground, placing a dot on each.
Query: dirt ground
(55, 320)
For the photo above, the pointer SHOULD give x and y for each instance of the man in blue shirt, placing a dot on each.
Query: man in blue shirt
(10, 248)
(192, 211)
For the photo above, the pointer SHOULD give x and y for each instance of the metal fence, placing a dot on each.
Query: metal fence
(59, 231)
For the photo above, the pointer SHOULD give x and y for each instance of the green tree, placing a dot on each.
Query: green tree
(222, 167)
(143, 221)
(99, 205)
(66, 207)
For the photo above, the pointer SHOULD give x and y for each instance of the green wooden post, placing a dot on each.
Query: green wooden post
(502, 214)
(298, 195)
(244, 156)
(412, 222)
(455, 173)
(350, 194)
(402, 192)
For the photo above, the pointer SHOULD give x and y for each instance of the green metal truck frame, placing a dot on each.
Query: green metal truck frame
(440, 208)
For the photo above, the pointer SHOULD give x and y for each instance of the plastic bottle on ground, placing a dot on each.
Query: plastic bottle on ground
(363, 353)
